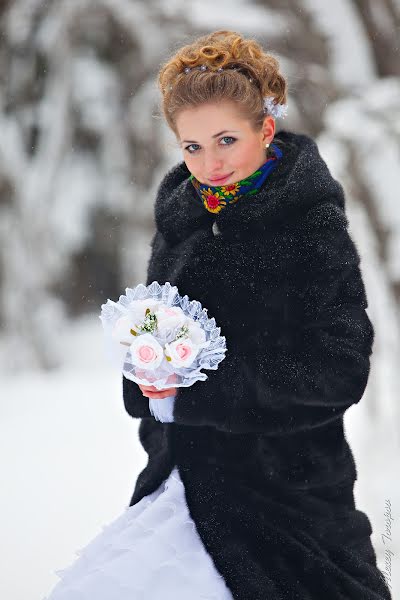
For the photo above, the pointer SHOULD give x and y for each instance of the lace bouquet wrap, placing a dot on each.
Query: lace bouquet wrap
(160, 338)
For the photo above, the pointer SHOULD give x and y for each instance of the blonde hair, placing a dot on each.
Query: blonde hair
(246, 69)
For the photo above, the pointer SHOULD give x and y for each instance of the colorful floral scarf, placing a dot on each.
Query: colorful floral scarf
(215, 198)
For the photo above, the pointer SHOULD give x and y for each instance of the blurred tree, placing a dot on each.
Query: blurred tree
(81, 152)
(382, 23)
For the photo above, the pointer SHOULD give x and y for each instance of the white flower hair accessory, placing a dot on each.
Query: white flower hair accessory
(275, 110)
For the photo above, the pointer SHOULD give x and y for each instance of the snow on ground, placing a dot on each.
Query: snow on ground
(69, 456)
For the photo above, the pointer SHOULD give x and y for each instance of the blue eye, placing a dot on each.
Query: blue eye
(226, 137)
(191, 151)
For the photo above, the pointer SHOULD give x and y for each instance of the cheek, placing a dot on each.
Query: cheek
(244, 156)
(191, 164)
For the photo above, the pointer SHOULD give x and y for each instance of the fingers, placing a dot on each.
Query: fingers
(159, 393)
(151, 388)
(152, 392)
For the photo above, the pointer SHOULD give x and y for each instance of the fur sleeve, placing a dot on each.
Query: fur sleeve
(308, 360)
(136, 405)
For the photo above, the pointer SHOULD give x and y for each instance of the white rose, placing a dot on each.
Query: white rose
(137, 310)
(169, 317)
(146, 352)
(122, 330)
(196, 333)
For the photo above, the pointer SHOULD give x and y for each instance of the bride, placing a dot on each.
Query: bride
(248, 490)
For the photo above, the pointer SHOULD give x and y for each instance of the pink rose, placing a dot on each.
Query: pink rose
(146, 352)
(182, 352)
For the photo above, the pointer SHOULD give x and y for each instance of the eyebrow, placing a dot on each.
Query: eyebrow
(213, 136)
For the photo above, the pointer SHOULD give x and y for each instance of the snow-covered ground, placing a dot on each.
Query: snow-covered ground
(70, 456)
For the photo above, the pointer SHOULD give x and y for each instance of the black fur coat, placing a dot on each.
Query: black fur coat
(260, 445)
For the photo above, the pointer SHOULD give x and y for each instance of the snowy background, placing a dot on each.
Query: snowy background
(82, 150)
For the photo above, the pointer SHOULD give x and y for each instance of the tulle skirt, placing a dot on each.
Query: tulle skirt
(152, 551)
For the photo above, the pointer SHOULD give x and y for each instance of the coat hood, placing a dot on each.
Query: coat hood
(301, 180)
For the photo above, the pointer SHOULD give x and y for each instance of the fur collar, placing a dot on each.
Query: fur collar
(301, 180)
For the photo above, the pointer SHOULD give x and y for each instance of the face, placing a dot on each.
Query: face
(219, 147)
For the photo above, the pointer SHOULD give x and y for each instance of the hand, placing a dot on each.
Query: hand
(152, 392)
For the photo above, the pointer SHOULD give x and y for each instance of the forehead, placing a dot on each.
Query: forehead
(203, 119)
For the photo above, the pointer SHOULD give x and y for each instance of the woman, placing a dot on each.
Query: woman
(248, 490)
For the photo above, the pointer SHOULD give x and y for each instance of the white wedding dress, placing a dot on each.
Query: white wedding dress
(152, 551)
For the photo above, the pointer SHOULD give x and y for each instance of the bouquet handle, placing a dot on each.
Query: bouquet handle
(162, 408)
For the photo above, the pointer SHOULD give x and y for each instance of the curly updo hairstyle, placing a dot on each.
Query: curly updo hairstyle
(248, 75)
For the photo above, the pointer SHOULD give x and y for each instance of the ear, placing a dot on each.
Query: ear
(268, 129)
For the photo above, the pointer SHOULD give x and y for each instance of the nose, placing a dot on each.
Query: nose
(213, 164)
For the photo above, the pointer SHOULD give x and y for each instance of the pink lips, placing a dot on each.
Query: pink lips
(220, 179)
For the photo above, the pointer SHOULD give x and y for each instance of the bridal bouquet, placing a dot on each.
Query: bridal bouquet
(157, 337)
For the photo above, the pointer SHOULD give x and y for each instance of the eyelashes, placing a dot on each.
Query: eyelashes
(226, 137)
